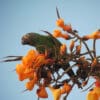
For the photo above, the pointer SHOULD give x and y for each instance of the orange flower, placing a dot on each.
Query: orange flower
(92, 95)
(49, 61)
(63, 49)
(30, 85)
(97, 83)
(25, 69)
(20, 68)
(60, 23)
(94, 35)
(35, 76)
(66, 88)
(33, 80)
(20, 71)
(58, 34)
(84, 83)
(41, 92)
(29, 58)
(29, 74)
(94, 62)
(22, 77)
(23, 72)
(97, 86)
(28, 70)
(72, 45)
(67, 28)
(97, 91)
(32, 53)
(78, 49)
(55, 92)
(40, 60)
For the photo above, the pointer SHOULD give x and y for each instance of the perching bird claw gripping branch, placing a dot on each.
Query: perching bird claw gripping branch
(59, 66)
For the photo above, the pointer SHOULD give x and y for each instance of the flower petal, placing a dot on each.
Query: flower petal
(92, 95)
(55, 92)
(41, 92)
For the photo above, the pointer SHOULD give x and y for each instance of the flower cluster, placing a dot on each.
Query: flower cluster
(94, 94)
(53, 66)
(31, 69)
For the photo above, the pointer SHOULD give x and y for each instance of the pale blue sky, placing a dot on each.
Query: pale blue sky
(18, 17)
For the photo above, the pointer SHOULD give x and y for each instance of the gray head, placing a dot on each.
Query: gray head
(28, 38)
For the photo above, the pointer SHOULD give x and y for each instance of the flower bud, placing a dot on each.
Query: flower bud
(59, 34)
(66, 88)
(41, 92)
(63, 49)
(94, 63)
(60, 22)
(30, 85)
(67, 28)
(78, 49)
(85, 38)
(84, 83)
(72, 45)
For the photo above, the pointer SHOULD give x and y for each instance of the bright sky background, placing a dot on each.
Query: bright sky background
(18, 17)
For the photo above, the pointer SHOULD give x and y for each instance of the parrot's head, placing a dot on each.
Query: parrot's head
(25, 39)
(29, 39)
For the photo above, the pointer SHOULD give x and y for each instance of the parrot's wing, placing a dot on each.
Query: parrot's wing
(54, 40)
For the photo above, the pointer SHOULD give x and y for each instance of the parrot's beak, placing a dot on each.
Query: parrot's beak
(24, 40)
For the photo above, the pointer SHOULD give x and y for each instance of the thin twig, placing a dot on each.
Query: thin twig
(94, 47)
(76, 35)
(38, 98)
(88, 87)
(85, 53)
(58, 15)
(66, 71)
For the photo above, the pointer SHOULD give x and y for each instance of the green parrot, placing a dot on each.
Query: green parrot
(42, 43)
